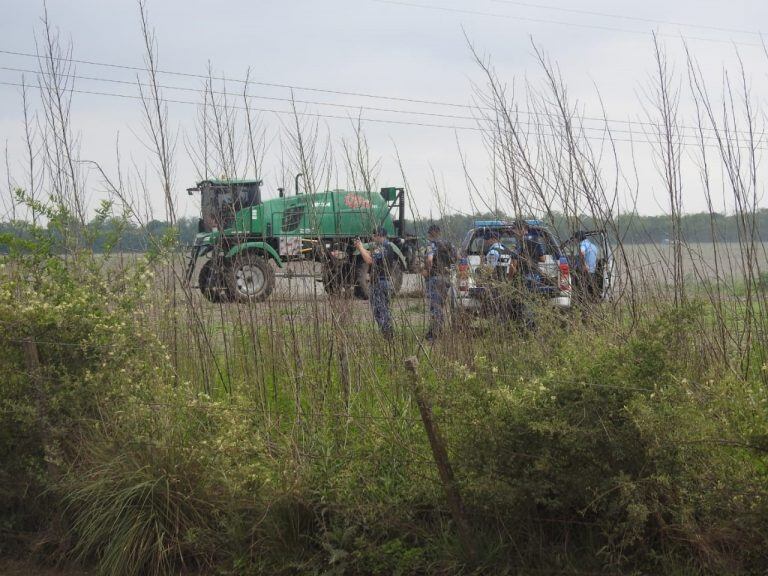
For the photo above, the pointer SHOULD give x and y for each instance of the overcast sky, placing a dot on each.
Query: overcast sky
(397, 49)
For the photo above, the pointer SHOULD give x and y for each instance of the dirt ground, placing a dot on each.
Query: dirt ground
(25, 568)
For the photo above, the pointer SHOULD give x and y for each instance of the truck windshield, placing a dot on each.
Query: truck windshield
(476, 244)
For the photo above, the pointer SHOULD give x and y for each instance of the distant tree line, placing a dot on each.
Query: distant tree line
(123, 236)
(631, 227)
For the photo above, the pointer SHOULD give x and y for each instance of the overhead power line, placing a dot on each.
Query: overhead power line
(606, 138)
(289, 112)
(558, 22)
(243, 81)
(241, 95)
(224, 79)
(626, 17)
(201, 92)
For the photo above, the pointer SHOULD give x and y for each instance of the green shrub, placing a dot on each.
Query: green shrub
(616, 453)
(84, 320)
(138, 512)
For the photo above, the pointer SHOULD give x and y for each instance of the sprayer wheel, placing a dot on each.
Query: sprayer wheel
(250, 278)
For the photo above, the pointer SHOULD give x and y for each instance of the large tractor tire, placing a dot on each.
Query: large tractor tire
(331, 281)
(337, 278)
(212, 282)
(250, 278)
(397, 277)
(363, 279)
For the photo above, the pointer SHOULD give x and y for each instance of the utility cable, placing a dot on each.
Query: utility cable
(625, 17)
(225, 93)
(291, 113)
(337, 92)
(559, 22)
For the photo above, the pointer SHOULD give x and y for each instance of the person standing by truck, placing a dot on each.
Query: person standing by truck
(529, 252)
(497, 256)
(381, 258)
(587, 266)
(439, 258)
(498, 265)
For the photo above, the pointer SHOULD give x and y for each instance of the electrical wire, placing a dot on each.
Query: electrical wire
(292, 113)
(336, 92)
(241, 80)
(226, 93)
(626, 17)
(559, 22)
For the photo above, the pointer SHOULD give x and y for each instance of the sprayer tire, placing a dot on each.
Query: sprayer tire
(212, 284)
(250, 278)
(363, 279)
(397, 278)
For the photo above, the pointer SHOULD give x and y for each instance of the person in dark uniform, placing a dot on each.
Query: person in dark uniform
(528, 257)
(497, 256)
(381, 259)
(529, 251)
(498, 264)
(439, 258)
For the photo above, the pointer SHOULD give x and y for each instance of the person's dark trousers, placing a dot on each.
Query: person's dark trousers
(380, 296)
(585, 287)
(437, 291)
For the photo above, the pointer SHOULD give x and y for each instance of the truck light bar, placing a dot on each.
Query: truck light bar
(533, 223)
(490, 223)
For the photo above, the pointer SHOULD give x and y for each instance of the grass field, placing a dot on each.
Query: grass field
(158, 433)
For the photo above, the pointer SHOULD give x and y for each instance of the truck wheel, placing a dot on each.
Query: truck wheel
(397, 278)
(334, 279)
(331, 281)
(250, 278)
(362, 279)
(212, 283)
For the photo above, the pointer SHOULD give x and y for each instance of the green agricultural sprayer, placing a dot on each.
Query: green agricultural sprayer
(245, 239)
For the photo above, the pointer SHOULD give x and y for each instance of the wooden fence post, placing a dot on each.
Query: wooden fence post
(440, 455)
(32, 361)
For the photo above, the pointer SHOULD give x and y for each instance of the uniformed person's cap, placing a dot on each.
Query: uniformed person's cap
(491, 234)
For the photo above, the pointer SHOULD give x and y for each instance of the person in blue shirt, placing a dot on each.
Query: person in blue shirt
(588, 254)
(381, 258)
(587, 264)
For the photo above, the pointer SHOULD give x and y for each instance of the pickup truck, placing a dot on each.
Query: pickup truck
(556, 277)
(549, 279)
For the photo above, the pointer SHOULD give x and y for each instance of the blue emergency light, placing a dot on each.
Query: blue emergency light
(490, 223)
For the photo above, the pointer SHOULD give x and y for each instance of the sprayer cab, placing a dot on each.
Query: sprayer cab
(220, 200)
